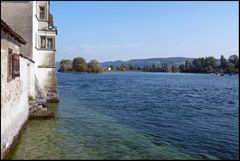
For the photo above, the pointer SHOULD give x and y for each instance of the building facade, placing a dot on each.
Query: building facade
(34, 22)
(28, 50)
(16, 85)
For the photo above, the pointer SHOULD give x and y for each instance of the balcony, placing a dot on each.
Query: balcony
(50, 23)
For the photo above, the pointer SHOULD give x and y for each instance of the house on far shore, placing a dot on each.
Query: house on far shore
(108, 69)
(16, 86)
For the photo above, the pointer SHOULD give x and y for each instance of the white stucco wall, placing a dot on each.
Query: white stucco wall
(14, 96)
(46, 78)
(34, 34)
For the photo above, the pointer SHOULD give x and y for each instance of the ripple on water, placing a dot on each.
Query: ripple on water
(138, 116)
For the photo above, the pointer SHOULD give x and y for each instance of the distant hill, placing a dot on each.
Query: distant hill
(149, 61)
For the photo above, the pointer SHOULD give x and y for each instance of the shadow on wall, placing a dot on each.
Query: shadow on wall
(39, 91)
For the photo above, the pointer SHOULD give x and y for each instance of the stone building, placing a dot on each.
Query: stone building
(28, 50)
(16, 86)
(33, 20)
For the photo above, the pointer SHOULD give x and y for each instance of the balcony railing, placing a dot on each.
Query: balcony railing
(50, 23)
(52, 27)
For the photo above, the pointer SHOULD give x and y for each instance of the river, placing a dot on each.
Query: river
(138, 115)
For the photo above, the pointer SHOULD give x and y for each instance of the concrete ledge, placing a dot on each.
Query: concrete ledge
(53, 100)
(46, 66)
(42, 115)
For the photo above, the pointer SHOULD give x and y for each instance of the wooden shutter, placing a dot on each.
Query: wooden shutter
(16, 66)
(9, 74)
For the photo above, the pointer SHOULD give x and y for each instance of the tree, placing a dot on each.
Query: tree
(182, 68)
(210, 64)
(199, 64)
(211, 61)
(188, 66)
(94, 67)
(209, 69)
(79, 64)
(230, 68)
(65, 65)
(174, 68)
(234, 60)
(223, 62)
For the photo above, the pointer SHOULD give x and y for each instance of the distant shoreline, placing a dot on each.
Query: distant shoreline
(137, 71)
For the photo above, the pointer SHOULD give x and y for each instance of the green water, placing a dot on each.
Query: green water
(45, 139)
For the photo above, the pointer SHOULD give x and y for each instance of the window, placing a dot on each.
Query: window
(9, 74)
(50, 43)
(43, 42)
(42, 13)
(47, 42)
(15, 66)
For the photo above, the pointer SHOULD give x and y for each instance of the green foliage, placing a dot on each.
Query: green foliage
(223, 62)
(198, 65)
(79, 64)
(94, 67)
(65, 65)
(233, 59)
(30, 98)
(174, 68)
(113, 68)
(230, 68)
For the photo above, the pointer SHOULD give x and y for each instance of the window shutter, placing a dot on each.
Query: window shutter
(16, 66)
(9, 75)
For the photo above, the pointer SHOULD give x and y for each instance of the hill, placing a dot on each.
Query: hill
(149, 61)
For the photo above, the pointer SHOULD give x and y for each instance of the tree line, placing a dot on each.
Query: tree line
(198, 65)
(79, 64)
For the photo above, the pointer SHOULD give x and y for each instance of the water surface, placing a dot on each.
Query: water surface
(138, 116)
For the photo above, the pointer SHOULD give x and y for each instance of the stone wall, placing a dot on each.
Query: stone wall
(14, 96)
(49, 82)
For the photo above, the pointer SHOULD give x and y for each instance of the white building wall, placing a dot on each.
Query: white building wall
(14, 97)
(35, 25)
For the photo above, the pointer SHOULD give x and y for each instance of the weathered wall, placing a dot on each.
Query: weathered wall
(48, 79)
(14, 96)
(46, 74)
(18, 15)
(46, 58)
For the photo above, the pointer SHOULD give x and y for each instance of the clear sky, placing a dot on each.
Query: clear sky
(109, 31)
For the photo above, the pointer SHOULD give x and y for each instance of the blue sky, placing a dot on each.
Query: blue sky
(109, 31)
